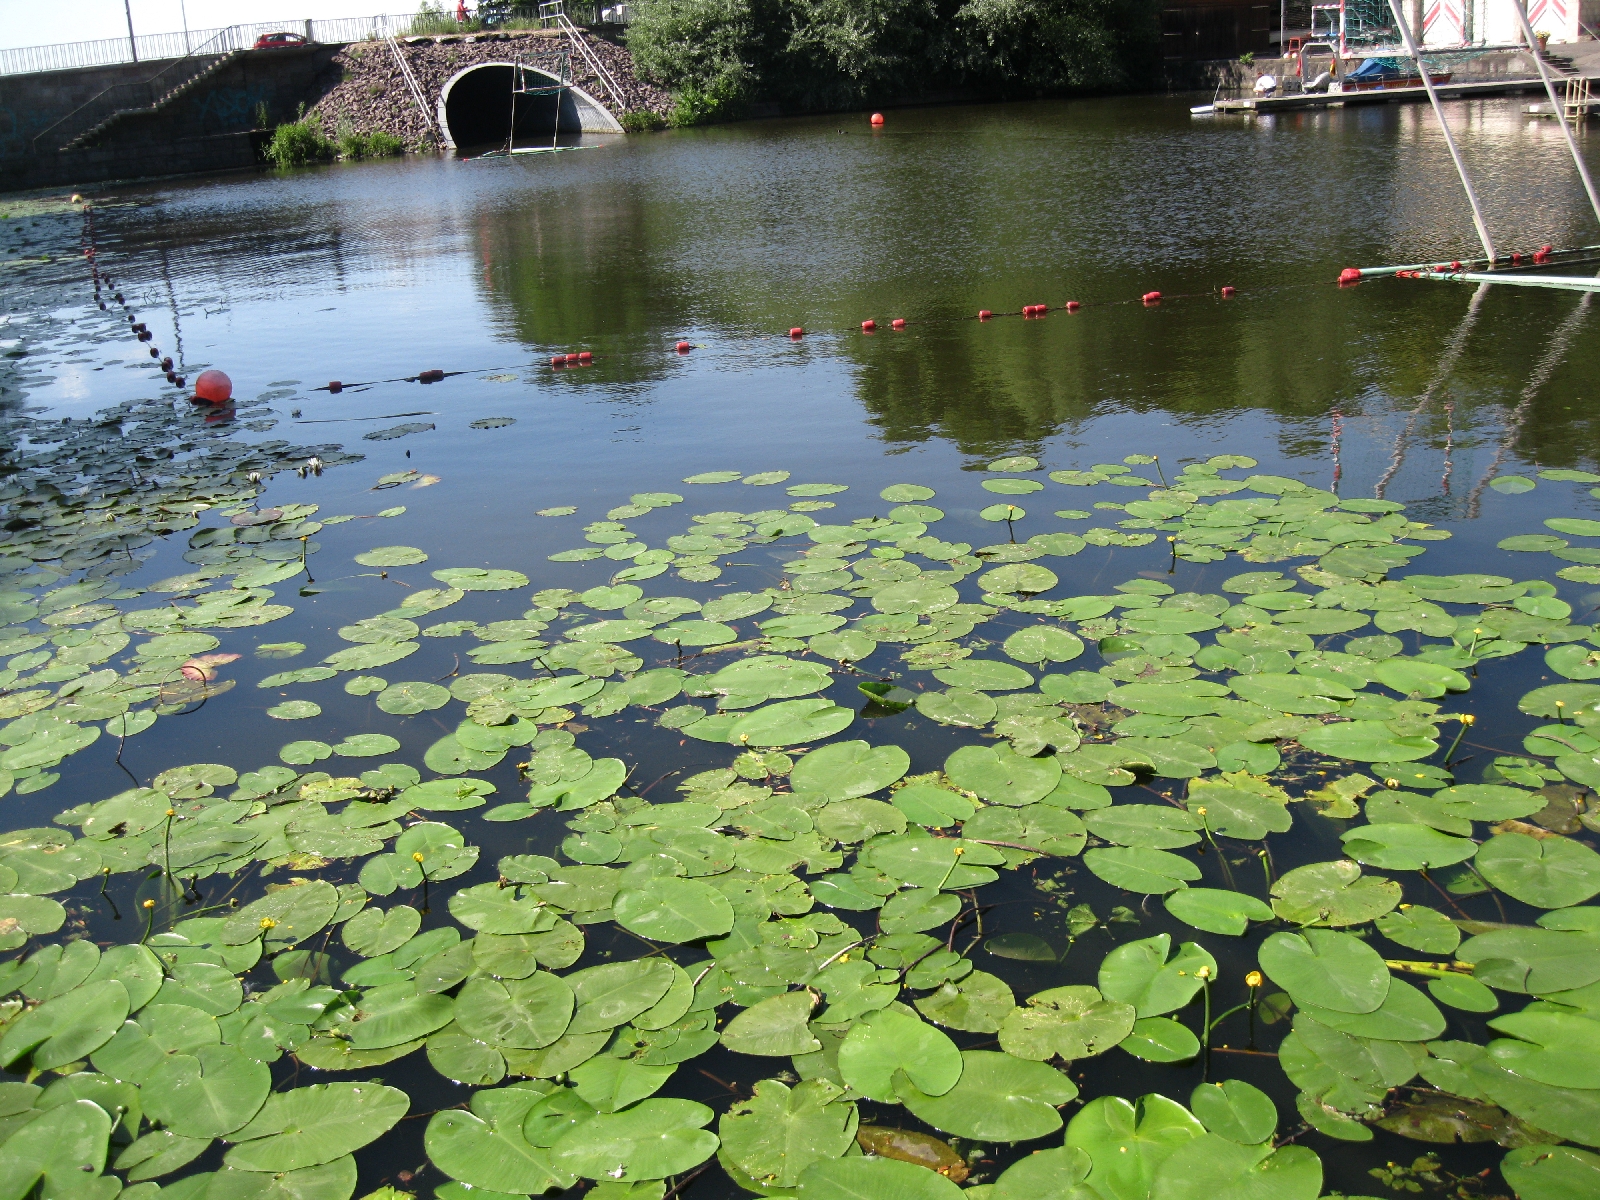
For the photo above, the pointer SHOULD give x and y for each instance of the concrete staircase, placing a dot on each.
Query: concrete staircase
(162, 90)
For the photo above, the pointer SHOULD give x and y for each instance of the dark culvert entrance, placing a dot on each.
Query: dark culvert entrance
(479, 107)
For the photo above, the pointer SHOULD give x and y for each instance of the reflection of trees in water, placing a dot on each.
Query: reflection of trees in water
(1298, 357)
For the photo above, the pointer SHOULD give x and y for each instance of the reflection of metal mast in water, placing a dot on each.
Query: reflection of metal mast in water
(172, 301)
(1542, 370)
(1447, 363)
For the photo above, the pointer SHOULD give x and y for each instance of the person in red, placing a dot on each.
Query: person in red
(461, 12)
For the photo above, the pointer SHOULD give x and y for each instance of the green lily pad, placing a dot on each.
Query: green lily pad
(1326, 969)
(1333, 893)
(392, 556)
(1402, 847)
(1127, 1141)
(886, 1041)
(780, 1131)
(849, 769)
(668, 909)
(1066, 1022)
(1138, 869)
(1141, 974)
(651, 1140)
(1544, 1172)
(879, 1178)
(1544, 872)
(774, 1027)
(998, 1098)
(1366, 741)
(1001, 776)
(207, 1094)
(1217, 911)
(1235, 1110)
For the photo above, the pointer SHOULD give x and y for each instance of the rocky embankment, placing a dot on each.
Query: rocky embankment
(373, 95)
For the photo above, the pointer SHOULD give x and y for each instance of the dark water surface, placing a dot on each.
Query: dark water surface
(726, 238)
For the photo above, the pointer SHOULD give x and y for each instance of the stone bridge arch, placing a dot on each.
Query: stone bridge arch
(474, 108)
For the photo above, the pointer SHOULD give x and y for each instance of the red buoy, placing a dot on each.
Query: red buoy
(335, 387)
(1152, 297)
(1455, 266)
(984, 314)
(166, 364)
(684, 347)
(571, 358)
(1516, 259)
(868, 326)
(585, 356)
(1349, 275)
(1227, 291)
(558, 360)
(898, 323)
(1072, 306)
(213, 387)
(1542, 254)
(430, 376)
(877, 118)
(797, 332)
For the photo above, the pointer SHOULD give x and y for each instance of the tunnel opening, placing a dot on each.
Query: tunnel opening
(480, 110)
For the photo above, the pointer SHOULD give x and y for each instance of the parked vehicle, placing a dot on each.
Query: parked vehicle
(279, 41)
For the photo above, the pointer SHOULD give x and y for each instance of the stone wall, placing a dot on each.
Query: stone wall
(373, 96)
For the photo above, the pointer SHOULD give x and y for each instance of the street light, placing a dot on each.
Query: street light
(133, 46)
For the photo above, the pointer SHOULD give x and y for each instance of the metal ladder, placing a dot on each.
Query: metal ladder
(429, 124)
(553, 13)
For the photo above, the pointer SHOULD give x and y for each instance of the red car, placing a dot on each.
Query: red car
(279, 41)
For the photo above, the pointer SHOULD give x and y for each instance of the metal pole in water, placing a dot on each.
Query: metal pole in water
(1455, 155)
(1558, 108)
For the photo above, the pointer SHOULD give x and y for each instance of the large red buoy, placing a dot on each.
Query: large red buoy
(684, 347)
(797, 332)
(877, 118)
(558, 360)
(868, 326)
(1350, 275)
(213, 387)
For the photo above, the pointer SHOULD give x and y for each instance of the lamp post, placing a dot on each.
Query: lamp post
(133, 46)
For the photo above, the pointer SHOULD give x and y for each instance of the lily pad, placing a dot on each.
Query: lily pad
(887, 1041)
(999, 1098)
(1326, 969)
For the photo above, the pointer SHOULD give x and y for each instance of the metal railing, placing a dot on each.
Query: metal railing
(141, 93)
(159, 46)
(552, 13)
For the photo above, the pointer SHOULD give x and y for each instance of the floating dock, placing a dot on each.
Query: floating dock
(1396, 95)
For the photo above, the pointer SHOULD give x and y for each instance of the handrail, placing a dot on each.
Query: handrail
(213, 47)
(412, 86)
(554, 11)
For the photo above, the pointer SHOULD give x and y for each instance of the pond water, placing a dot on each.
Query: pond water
(1292, 427)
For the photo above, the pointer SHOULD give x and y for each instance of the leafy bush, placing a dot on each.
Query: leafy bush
(643, 121)
(383, 144)
(296, 143)
(433, 19)
(716, 56)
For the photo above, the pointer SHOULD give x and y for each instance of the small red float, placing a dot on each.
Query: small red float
(797, 332)
(1350, 275)
(213, 387)
(877, 118)
(154, 352)
(1455, 266)
(984, 314)
(898, 323)
(868, 326)
(166, 364)
(585, 356)
(684, 347)
(1542, 254)
(570, 359)
(1152, 297)
(1227, 291)
(1072, 305)
(1516, 260)
(335, 387)
(430, 376)
(558, 360)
